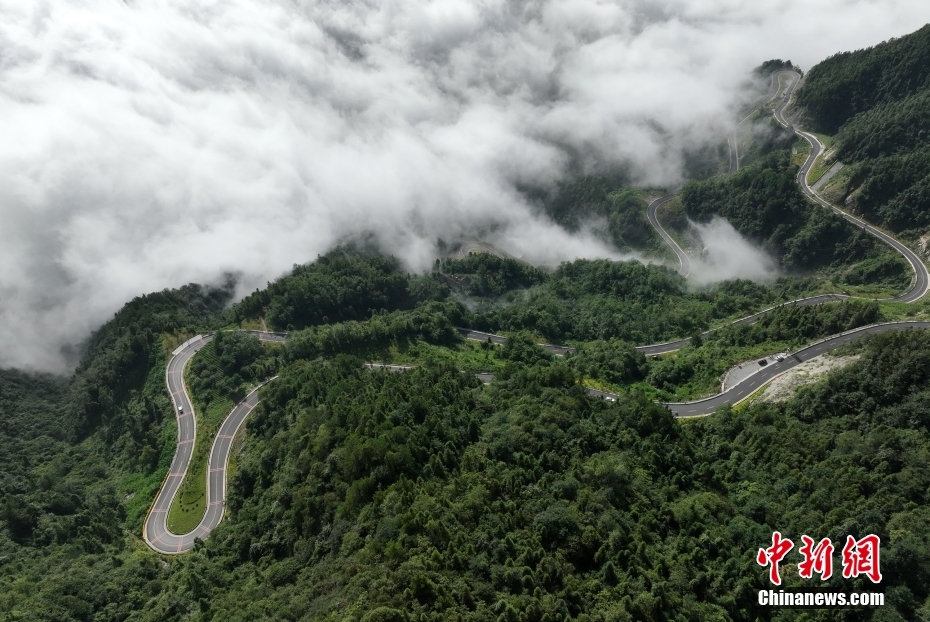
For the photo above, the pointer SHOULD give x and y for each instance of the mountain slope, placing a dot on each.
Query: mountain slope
(849, 83)
(877, 102)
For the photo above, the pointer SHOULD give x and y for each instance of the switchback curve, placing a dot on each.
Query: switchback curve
(684, 262)
(155, 529)
(921, 280)
(919, 284)
(744, 389)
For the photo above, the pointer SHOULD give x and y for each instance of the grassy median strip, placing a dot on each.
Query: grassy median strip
(822, 164)
(800, 151)
(751, 398)
(189, 505)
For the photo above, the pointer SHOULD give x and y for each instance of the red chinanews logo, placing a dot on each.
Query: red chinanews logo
(817, 559)
(860, 557)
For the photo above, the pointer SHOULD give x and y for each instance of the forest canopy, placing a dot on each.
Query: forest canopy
(876, 102)
(369, 495)
(848, 83)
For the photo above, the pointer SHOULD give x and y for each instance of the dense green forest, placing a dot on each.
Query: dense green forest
(229, 364)
(335, 288)
(66, 447)
(695, 370)
(877, 102)
(848, 83)
(769, 67)
(365, 495)
(888, 150)
(587, 300)
(760, 136)
(763, 202)
(487, 275)
(368, 495)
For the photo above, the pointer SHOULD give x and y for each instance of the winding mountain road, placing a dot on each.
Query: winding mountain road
(732, 141)
(678, 344)
(155, 530)
(684, 262)
(739, 392)
(921, 280)
(158, 536)
(919, 284)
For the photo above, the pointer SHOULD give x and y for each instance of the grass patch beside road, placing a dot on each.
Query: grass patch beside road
(826, 139)
(600, 385)
(919, 310)
(799, 153)
(751, 398)
(818, 170)
(712, 363)
(189, 505)
(823, 163)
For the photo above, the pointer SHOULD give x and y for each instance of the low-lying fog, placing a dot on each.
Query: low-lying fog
(147, 144)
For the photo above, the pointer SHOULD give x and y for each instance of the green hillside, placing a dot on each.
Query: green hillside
(368, 495)
(877, 103)
(762, 201)
(850, 83)
(363, 495)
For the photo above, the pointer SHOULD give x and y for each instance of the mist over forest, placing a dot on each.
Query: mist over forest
(475, 312)
(148, 145)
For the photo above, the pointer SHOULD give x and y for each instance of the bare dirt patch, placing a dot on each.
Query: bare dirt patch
(923, 245)
(783, 388)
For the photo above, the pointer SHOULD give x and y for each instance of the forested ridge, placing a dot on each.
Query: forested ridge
(888, 148)
(367, 495)
(875, 101)
(848, 83)
(371, 496)
(587, 300)
(614, 211)
(762, 201)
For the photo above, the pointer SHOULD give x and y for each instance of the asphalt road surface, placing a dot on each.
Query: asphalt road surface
(668, 346)
(388, 367)
(684, 263)
(477, 335)
(678, 344)
(158, 536)
(161, 539)
(921, 280)
(753, 383)
(919, 285)
(155, 531)
(735, 394)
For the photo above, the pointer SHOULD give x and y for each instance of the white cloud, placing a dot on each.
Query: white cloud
(150, 144)
(725, 254)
